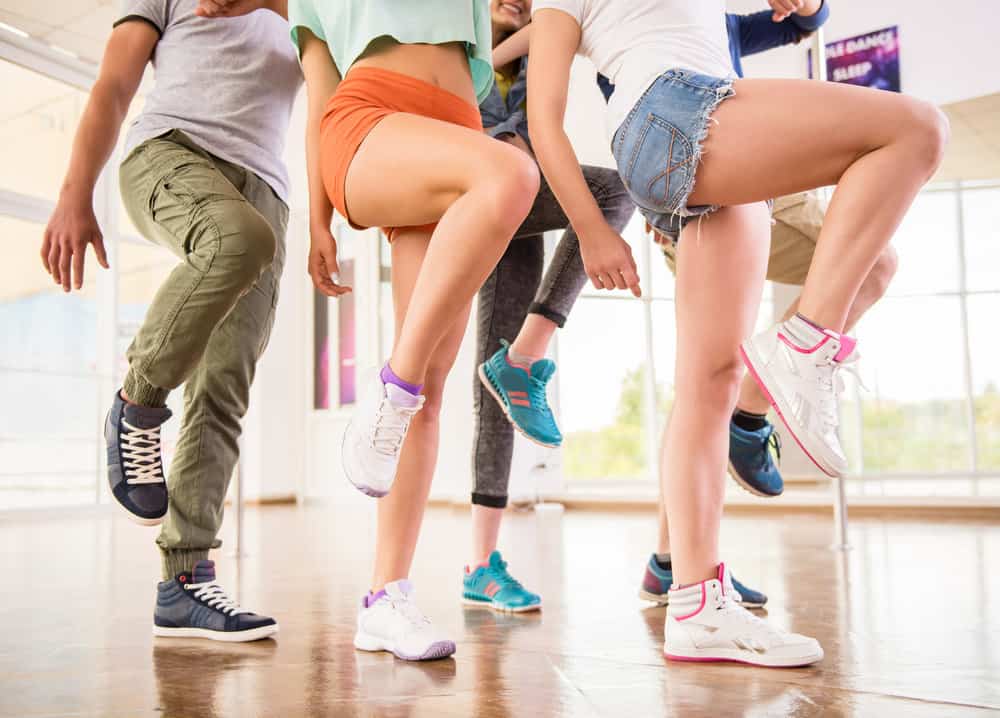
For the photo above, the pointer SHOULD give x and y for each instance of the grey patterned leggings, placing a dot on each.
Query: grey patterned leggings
(515, 289)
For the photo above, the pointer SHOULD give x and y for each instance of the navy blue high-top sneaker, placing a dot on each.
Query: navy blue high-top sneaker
(135, 466)
(193, 605)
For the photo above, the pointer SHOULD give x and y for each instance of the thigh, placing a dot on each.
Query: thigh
(410, 169)
(720, 277)
(168, 183)
(777, 137)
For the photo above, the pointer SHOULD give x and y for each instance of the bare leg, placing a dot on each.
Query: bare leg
(534, 337)
(486, 522)
(477, 214)
(401, 512)
(752, 399)
(728, 259)
(879, 148)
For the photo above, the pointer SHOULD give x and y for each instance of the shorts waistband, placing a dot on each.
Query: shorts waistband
(404, 93)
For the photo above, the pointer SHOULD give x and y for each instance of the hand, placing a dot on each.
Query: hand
(229, 8)
(71, 228)
(608, 260)
(784, 8)
(323, 266)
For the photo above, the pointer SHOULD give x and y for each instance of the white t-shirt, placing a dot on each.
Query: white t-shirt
(632, 42)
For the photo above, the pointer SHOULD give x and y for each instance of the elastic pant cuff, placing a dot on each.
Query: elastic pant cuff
(493, 502)
(141, 392)
(555, 317)
(181, 560)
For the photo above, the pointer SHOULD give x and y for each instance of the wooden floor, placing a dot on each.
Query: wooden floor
(910, 621)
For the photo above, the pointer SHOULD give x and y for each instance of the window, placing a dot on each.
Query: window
(38, 118)
(48, 358)
(334, 332)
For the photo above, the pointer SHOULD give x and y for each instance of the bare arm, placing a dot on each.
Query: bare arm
(73, 225)
(322, 79)
(513, 48)
(606, 256)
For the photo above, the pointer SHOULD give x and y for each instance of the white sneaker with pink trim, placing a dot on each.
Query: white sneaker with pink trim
(802, 384)
(705, 622)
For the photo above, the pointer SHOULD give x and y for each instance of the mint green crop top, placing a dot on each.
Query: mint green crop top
(349, 26)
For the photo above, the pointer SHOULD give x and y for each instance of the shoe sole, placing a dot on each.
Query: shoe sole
(436, 651)
(251, 634)
(781, 408)
(485, 381)
(662, 600)
(500, 608)
(734, 656)
(366, 490)
(747, 487)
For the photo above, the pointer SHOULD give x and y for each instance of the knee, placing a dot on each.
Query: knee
(929, 133)
(881, 274)
(250, 243)
(712, 386)
(511, 188)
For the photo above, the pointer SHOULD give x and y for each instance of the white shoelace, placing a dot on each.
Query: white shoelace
(833, 387)
(141, 449)
(214, 595)
(391, 425)
(409, 610)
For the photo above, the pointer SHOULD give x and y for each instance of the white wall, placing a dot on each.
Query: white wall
(947, 52)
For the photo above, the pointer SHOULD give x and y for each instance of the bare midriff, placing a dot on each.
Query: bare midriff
(445, 66)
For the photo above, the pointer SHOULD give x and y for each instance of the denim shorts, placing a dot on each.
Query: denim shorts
(658, 146)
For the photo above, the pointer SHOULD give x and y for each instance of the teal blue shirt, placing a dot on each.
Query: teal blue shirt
(349, 26)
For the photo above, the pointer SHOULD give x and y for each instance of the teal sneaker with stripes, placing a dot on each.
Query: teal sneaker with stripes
(521, 394)
(492, 586)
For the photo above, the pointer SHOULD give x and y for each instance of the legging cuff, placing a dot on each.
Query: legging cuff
(555, 317)
(493, 502)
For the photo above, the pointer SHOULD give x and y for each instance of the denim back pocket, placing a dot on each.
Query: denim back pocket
(657, 163)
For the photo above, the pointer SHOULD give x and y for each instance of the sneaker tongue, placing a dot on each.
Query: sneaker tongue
(496, 560)
(146, 417)
(400, 397)
(726, 579)
(203, 572)
(543, 369)
(399, 589)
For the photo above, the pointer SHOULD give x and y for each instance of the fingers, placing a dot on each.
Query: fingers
(55, 250)
(631, 279)
(102, 255)
(65, 258)
(210, 8)
(324, 278)
(78, 256)
(46, 248)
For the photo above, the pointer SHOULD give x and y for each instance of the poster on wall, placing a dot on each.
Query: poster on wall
(869, 60)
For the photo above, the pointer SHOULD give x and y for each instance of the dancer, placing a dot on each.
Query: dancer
(692, 141)
(370, 139)
(203, 178)
(517, 303)
(797, 221)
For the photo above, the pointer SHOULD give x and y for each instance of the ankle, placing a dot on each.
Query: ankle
(523, 356)
(388, 376)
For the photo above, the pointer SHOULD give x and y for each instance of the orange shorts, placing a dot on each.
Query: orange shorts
(362, 99)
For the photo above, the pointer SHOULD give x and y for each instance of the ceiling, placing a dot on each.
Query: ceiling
(79, 26)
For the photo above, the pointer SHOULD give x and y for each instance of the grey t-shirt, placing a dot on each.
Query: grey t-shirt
(228, 83)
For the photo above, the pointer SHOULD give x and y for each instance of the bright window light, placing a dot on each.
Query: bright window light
(15, 30)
